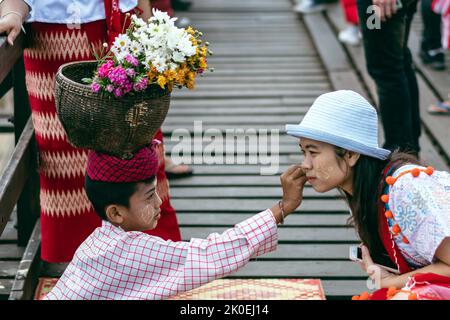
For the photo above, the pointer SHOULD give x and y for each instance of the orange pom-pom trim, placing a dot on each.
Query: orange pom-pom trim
(385, 198)
(355, 298)
(388, 214)
(412, 296)
(392, 291)
(429, 171)
(415, 172)
(396, 229)
(390, 180)
(364, 296)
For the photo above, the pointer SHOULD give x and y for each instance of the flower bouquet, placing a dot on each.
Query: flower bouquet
(116, 103)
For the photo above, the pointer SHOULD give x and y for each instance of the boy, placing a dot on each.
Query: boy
(119, 261)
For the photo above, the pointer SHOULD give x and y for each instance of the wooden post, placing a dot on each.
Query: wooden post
(28, 204)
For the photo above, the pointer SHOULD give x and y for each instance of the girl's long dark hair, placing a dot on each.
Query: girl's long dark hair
(367, 175)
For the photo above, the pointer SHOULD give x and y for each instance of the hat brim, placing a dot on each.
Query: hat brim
(352, 145)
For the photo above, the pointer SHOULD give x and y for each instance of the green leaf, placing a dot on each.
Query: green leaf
(87, 80)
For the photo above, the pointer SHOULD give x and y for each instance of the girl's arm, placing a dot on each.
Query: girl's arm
(146, 7)
(13, 13)
(441, 267)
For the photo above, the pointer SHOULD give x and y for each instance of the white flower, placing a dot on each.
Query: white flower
(160, 64)
(135, 48)
(174, 37)
(173, 66)
(120, 55)
(186, 47)
(162, 17)
(122, 42)
(178, 57)
(137, 21)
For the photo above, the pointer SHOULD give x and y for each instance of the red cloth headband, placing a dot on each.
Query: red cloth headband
(106, 168)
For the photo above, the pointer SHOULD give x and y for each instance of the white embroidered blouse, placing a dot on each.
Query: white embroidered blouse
(71, 11)
(421, 207)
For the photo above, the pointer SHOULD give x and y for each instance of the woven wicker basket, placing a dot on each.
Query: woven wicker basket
(118, 127)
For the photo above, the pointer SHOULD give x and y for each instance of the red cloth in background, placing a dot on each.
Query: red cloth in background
(163, 5)
(350, 11)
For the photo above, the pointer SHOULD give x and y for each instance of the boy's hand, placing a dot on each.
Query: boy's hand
(292, 180)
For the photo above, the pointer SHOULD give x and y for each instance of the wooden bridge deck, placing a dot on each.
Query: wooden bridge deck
(270, 66)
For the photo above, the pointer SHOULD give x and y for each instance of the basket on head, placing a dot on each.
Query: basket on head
(117, 126)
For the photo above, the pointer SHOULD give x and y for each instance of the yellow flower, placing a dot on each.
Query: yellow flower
(170, 74)
(190, 84)
(194, 41)
(203, 64)
(162, 81)
(190, 30)
(191, 75)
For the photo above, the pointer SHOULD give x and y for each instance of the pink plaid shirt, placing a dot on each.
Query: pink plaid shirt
(114, 264)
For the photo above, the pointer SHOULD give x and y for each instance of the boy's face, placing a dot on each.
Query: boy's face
(144, 210)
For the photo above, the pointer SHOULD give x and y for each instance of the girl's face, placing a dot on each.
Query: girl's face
(323, 169)
(144, 210)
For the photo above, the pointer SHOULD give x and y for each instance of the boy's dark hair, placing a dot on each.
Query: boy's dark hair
(102, 194)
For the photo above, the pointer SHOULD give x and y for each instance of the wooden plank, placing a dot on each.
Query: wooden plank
(326, 43)
(301, 269)
(9, 234)
(235, 119)
(6, 126)
(8, 269)
(11, 252)
(5, 288)
(236, 111)
(230, 181)
(255, 205)
(249, 102)
(314, 251)
(290, 234)
(258, 87)
(229, 220)
(343, 289)
(243, 192)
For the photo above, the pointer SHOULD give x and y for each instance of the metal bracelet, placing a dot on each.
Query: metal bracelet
(280, 204)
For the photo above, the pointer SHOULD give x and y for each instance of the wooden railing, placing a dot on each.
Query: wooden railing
(19, 183)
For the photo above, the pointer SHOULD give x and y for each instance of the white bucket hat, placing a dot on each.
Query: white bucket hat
(342, 118)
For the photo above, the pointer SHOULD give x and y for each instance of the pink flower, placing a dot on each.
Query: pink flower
(131, 72)
(105, 68)
(109, 88)
(118, 75)
(118, 92)
(95, 87)
(132, 60)
(141, 84)
(127, 87)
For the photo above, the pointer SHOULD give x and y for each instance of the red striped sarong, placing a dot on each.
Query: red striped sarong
(67, 216)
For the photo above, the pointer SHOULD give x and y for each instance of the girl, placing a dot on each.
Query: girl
(61, 32)
(398, 206)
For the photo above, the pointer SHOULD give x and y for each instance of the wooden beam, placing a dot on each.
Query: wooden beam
(15, 175)
(10, 54)
(27, 275)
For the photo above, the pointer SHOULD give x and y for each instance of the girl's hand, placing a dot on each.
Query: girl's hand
(381, 277)
(11, 24)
